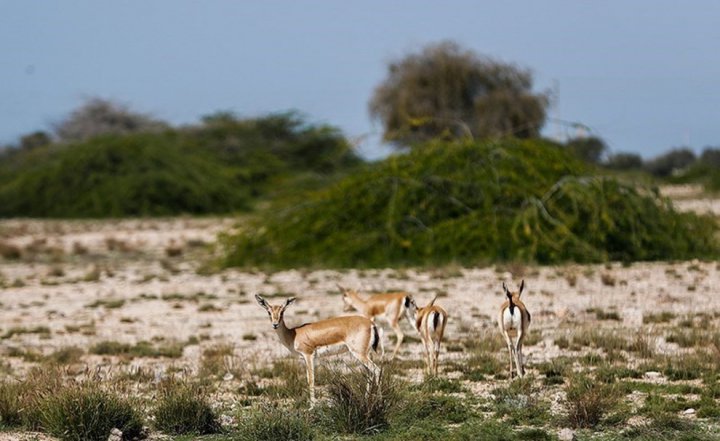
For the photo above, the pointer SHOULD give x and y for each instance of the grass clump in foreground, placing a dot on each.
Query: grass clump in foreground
(508, 200)
(357, 403)
(86, 413)
(589, 401)
(273, 423)
(183, 408)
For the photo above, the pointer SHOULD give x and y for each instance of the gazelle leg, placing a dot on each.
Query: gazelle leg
(399, 336)
(518, 356)
(372, 368)
(310, 367)
(426, 353)
(437, 355)
(521, 357)
(510, 351)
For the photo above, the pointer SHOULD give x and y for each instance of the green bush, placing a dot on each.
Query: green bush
(470, 203)
(218, 167)
(86, 413)
(183, 408)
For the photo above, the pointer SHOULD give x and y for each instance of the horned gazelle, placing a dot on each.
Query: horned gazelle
(386, 305)
(514, 320)
(358, 335)
(430, 323)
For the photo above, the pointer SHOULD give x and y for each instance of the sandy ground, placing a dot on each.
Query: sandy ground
(71, 269)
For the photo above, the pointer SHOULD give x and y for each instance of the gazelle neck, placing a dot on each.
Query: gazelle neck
(287, 336)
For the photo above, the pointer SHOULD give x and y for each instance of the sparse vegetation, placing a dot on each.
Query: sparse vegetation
(183, 408)
(271, 423)
(141, 349)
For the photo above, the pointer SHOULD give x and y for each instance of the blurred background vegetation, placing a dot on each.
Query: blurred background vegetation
(472, 180)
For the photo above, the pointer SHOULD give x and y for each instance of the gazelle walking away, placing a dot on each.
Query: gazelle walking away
(388, 305)
(357, 334)
(514, 320)
(430, 322)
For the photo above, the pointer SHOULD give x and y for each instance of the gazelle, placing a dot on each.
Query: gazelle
(358, 335)
(514, 320)
(388, 305)
(430, 322)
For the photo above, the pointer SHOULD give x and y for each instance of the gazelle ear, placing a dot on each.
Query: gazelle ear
(289, 302)
(342, 290)
(408, 301)
(522, 286)
(261, 301)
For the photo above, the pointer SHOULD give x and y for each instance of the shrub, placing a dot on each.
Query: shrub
(141, 349)
(10, 404)
(273, 423)
(588, 401)
(183, 408)
(466, 203)
(359, 404)
(66, 355)
(555, 370)
(670, 162)
(624, 161)
(423, 406)
(497, 431)
(520, 404)
(86, 413)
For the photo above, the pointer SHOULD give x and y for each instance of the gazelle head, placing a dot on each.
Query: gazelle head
(411, 309)
(274, 311)
(346, 293)
(514, 295)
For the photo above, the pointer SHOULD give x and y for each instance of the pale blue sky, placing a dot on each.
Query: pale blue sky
(645, 75)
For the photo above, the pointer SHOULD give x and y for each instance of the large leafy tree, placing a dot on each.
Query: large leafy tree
(447, 91)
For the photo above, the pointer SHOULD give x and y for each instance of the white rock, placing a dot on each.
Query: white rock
(228, 377)
(652, 375)
(689, 411)
(115, 435)
(566, 434)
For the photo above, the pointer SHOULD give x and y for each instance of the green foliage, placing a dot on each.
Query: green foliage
(589, 149)
(219, 167)
(589, 401)
(670, 162)
(358, 403)
(470, 203)
(141, 349)
(273, 423)
(10, 404)
(497, 431)
(624, 161)
(86, 413)
(183, 408)
(448, 92)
